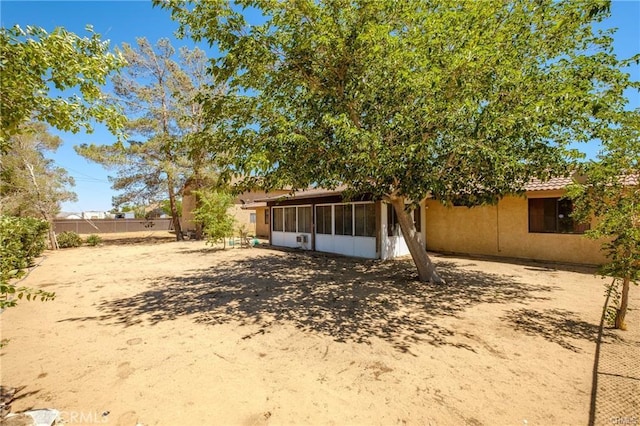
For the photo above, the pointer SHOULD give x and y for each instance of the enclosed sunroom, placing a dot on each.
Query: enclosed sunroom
(323, 221)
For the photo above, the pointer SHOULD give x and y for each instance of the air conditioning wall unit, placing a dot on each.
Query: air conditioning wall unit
(303, 239)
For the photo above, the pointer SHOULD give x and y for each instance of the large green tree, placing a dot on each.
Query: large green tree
(464, 101)
(38, 68)
(31, 185)
(608, 194)
(158, 91)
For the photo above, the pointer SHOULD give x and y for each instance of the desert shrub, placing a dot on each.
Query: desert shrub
(93, 240)
(213, 214)
(22, 239)
(69, 239)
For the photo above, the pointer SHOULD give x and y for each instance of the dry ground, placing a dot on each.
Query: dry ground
(180, 334)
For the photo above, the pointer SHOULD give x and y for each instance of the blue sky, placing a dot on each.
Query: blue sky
(123, 21)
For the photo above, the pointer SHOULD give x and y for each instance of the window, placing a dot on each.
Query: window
(252, 218)
(278, 214)
(392, 220)
(266, 217)
(304, 219)
(344, 219)
(553, 215)
(323, 220)
(290, 219)
(365, 218)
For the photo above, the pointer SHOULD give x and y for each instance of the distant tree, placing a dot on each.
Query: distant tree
(34, 62)
(159, 97)
(464, 101)
(609, 193)
(213, 214)
(31, 185)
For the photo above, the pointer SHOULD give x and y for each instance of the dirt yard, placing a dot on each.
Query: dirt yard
(181, 334)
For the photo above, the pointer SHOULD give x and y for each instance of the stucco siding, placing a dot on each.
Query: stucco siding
(262, 228)
(242, 218)
(503, 230)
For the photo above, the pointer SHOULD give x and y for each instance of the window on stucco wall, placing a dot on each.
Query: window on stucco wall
(553, 215)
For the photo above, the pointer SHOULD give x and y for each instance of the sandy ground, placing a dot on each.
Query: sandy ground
(179, 334)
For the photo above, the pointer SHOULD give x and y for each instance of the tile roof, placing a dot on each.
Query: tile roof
(551, 184)
(306, 193)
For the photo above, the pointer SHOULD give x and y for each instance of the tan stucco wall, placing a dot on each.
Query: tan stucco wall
(262, 229)
(503, 230)
(242, 218)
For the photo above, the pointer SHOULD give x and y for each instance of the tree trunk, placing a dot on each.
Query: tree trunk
(426, 269)
(53, 243)
(174, 210)
(624, 301)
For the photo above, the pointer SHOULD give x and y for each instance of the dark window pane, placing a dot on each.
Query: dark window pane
(304, 219)
(365, 218)
(323, 220)
(542, 214)
(553, 215)
(550, 215)
(277, 219)
(344, 221)
(266, 217)
(417, 217)
(565, 222)
(392, 220)
(290, 219)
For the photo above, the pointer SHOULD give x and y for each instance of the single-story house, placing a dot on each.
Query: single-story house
(535, 226)
(243, 210)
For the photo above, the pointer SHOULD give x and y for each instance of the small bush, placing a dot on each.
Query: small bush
(93, 240)
(22, 239)
(69, 239)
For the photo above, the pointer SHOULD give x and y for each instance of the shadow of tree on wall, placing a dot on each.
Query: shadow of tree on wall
(554, 325)
(348, 299)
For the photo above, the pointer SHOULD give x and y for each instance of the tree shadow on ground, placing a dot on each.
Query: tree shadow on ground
(151, 239)
(348, 299)
(554, 325)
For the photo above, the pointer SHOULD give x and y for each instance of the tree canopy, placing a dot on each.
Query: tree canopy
(31, 184)
(463, 101)
(609, 192)
(159, 94)
(38, 67)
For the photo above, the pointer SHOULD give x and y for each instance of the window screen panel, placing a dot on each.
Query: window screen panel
(344, 219)
(323, 220)
(365, 220)
(290, 219)
(278, 215)
(304, 219)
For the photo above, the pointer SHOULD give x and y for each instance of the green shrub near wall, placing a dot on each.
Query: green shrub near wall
(69, 239)
(93, 240)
